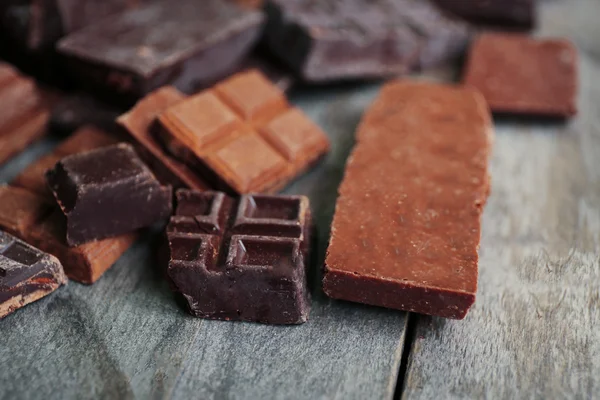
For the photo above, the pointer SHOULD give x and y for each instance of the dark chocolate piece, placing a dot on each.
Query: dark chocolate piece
(186, 45)
(518, 74)
(407, 221)
(24, 112)
(514, 14)
(36, 220)
(107, 192)
(246, 261)
(78, 110)
(242, 136)
(26, 274)
(342, 39)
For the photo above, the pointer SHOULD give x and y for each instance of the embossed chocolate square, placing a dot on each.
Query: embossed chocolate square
(107, 192)
(243, 260)
(242, 136)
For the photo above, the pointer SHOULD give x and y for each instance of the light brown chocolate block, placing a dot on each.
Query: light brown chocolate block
(38, 221)
(242, 135)
(407, 223)
(518, 74)
(86, 138)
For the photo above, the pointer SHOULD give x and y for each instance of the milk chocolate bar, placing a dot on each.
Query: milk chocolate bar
(342, 39)
(26, 274)
(37, 220)
(185, 45)
(86, 138)
(242, 136)
(242, 260)
(407, 223)
(24, 113)
(107, 192)
(514, 14)
(518, 74)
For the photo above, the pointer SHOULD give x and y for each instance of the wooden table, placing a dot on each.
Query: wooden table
(534, 331)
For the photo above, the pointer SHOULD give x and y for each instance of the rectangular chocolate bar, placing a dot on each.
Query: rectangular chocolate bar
(26, 274)
(242, 136)
(37, 220)
(86, 138)
(242, 260)
(407, 221)
(157, 44)
(24, 113)
(344, 39)
(139, 123)
(514, 14)
(107, 192)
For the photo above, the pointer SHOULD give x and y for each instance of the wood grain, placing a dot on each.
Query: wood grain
(533, 332)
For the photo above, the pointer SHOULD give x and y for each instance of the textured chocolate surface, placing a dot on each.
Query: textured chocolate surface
(242, 136)
(26, 274)
(37, 220)
(519, 14)
(333, 39)
(518, 74)
(24, 112)
(244, 260)
(187, 45)
(407, 223)
(107, 192)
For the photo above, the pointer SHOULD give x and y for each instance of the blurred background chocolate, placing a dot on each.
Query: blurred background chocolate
(512, 14)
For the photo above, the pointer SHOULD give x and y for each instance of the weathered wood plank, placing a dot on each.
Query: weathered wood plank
(533, 332)
(125, 337)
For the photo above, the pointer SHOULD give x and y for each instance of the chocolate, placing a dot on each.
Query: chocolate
(514, 14)
(242, 136)
(407, 222)
(344, 39)
(85, 139)
(37, 220)
(24, 113)
(26, 274)
(138, 124)
(188, 45)
(107, 192)
(518, 74)
(78, 110)
(244, 260)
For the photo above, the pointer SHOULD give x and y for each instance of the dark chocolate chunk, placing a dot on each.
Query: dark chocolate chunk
(246, 261)
(26, 274)
(187, 45)
(514, 14)
(107, 192)
(75, 111)
(341, 39)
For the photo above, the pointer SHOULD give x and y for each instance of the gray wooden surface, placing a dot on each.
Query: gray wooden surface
(533, 332)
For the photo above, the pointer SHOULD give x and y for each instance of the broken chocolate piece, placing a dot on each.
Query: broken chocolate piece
(26, 274)
(157, 44)
(407, 221)
(107, 192)
(86, 138)
(518, 74)
(243, 136)
(514, 14)
(138, 124)
(246, 261)
(38, 221)
(343, 39)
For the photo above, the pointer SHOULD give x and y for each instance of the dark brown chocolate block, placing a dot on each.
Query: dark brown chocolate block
(186, 45)
(514, 14)
(24, 112)
(78, 110)
(407, 221)
(244, 260)
(342, 39)
(107, 192)
(26, 274)
(242, 136)
(37, 220)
